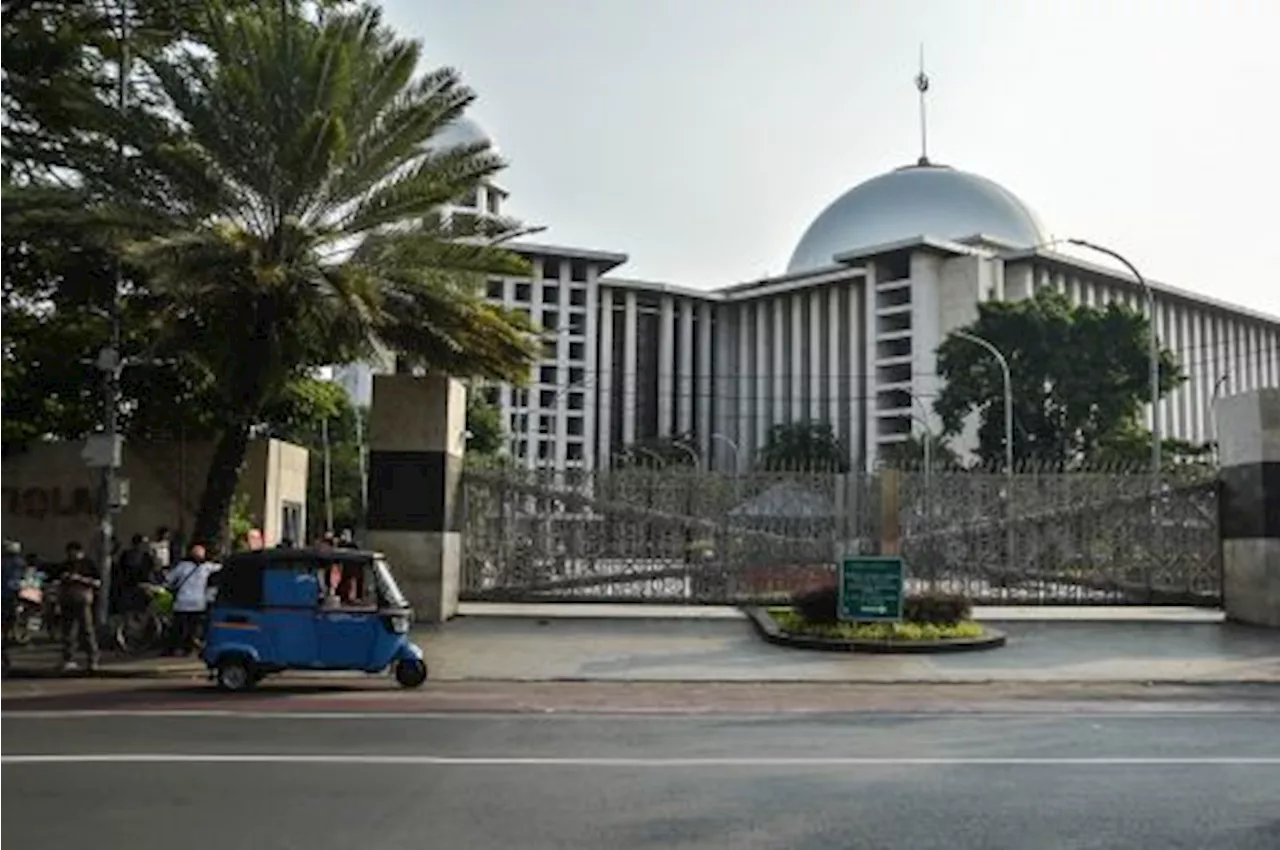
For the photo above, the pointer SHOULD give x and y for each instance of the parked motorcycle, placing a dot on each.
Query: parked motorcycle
(28, 614)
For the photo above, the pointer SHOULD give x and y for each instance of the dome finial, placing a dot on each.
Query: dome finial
(922, 86)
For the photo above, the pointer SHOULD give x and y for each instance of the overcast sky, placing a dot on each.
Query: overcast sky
(701, 137)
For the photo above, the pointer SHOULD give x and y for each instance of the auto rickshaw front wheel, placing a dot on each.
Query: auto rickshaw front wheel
(411, 672)
(234, 673)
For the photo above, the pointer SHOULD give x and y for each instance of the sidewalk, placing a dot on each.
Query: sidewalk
(44, 661)
(532, 644)
(643, 643)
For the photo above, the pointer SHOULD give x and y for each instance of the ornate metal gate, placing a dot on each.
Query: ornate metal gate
(679, 535)
(1063, 539)
(674, 535)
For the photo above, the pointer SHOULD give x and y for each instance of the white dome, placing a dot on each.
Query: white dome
(918, 200)
(460, 132)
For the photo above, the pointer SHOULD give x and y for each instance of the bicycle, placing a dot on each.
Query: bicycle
(145, 629)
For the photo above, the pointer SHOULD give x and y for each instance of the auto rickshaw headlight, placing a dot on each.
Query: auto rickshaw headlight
(400, 623)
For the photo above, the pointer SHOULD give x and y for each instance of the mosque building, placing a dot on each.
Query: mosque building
(847, 336)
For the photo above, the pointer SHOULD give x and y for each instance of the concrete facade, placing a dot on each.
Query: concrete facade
(1249, 441)
(416, 438)
(51, 497)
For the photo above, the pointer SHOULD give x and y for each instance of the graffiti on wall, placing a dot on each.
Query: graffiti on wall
(45, 502)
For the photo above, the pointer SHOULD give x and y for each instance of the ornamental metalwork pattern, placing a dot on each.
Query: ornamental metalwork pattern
(679, 535)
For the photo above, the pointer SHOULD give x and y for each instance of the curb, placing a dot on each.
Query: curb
(768, 629)
(50, 675)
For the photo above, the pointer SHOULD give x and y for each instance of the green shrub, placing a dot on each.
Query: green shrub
(939, 608)
(817, 606)
(793, 623)
(821, 606)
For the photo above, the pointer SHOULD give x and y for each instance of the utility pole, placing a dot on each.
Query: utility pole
(364, 470)
(110, 360)
(328, 476)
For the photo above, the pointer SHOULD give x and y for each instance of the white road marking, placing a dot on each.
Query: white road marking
(1071, 712)
(568, 761)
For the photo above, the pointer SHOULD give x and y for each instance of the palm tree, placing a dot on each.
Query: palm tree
(300, 223)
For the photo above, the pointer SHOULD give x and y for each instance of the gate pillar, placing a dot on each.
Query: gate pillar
(1248, 429)
(417, 435)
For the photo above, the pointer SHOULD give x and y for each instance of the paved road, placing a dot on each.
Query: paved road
(986, 780)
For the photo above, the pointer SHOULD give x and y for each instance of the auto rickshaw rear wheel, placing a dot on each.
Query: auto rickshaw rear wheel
(411, 672)
(235, 673)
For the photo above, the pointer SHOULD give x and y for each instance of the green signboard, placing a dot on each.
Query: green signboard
(871, 589)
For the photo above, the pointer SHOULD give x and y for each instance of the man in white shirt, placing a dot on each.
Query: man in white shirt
(189, 582)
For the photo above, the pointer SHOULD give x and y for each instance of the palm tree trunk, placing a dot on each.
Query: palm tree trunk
(221, 482)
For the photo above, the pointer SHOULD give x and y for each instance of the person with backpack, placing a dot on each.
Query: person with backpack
(189, 582)
(135, 567)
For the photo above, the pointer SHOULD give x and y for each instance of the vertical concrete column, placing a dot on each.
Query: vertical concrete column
(684, 393)
(416, 440)
(703, 397)
(1248, 427)
(603, 372)
(666, 363)
(630, 318)
(796, 343)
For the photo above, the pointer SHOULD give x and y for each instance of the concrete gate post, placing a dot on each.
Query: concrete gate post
(417, 434)
(1248, 429)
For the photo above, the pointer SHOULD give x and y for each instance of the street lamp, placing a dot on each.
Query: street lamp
(693, 456)
(1008, 436)
(1008, 396)
(731, 444)
(1153, 352)
(1213, 399)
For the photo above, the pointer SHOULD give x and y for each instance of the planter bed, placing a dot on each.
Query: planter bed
(781, 626)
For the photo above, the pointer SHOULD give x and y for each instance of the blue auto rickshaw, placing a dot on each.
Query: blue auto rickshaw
(308, 609)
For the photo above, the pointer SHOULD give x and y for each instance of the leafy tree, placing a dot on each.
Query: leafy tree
(910, 453)
(1079, 378)
(804, 445)
(303, 414)
(488, 436)
(290, 215)
(1130, 447)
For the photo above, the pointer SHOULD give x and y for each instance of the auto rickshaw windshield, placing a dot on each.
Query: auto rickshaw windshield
(388, 590)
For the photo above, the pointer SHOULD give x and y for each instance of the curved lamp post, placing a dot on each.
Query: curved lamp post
(731, 444)
(1008, 435)
(1213, 399)
(693, 455)
(1008, 395)
(1153, 351)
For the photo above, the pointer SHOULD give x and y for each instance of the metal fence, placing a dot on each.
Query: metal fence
(680, 535)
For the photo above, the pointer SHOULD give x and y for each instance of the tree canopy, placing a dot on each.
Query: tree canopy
(1079, 378)
(910, 453)
(804, 446)
(274, 204)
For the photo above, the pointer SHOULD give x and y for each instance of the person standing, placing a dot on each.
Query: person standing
(160, 549)
(12, 569)
(189, 582)
(137, 567)
(78, 585)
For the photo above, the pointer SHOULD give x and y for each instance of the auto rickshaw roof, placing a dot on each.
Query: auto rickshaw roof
(267, 558)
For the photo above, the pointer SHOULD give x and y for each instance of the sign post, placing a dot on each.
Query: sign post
(871, 589)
